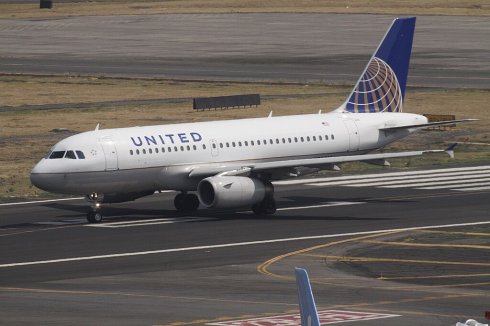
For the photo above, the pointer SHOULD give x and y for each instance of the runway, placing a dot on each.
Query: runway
(449, 52)
(367, 247)
(408, 244)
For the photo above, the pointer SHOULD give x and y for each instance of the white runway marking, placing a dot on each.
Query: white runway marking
(429, 180)
(378, 175)
(228, 245)
(334, 203)
(150, 222)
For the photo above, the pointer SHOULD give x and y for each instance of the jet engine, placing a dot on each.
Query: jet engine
(233, 192)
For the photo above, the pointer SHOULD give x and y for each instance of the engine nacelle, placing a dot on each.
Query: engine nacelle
(233, 192)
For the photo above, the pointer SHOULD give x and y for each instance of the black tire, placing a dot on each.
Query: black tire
(179, 202)
(91, 217)
(269, 206)
(97, 217)
(191, 202)
(257, 209)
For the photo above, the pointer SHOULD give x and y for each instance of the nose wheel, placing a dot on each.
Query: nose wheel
(94, 217)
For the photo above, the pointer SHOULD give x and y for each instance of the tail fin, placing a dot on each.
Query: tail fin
(307, 308)
(381, 87)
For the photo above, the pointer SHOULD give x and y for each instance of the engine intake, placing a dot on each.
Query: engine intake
(233, 192)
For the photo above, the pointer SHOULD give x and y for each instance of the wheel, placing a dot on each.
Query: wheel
(94, 217)
(179, 202)
(97, 217)
(269, 206)
(91, 217)
(257, 209)
(191, 202)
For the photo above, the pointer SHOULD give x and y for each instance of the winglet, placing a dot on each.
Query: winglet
(307, 307)
(450, 150)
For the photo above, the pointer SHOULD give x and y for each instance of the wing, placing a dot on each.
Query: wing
(245, 169)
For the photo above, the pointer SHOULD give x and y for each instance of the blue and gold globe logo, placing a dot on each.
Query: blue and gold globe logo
(378, 90)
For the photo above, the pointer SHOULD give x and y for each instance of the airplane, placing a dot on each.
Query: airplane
(230, 164)
(307, 308)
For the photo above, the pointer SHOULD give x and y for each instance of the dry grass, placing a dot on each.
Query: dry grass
(20, 90)
(139, 7)
(26, 136)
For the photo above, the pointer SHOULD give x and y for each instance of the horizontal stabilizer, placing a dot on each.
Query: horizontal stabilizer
(430, 124)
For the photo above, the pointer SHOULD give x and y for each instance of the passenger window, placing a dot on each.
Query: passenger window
(194, 147)
(182, 148)
(314, 138)
(326, 137)
(258, 142)
(176, 149)
(220, 145)
(57, 154)
(271, 141)
(150, 151)
(169, 149)
(302, 139)
(71, 155)
(319, 137)
(240, 143)
(277, 141)
(233, 144)
(138, 151)
(131, 151)
(156, 150)
(265, 142)
(81, 156)
(203, 146)
(333, 137)
(289, 140)
(284, 141)
(163, 149)
(246, 143)
(308, 138)
(188, 148)
(144, 151)
(227, 144)
(252, 142)
(295, 139)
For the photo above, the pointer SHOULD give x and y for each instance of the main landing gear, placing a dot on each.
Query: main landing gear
(94, 216)
(186, 202)
(267, 206)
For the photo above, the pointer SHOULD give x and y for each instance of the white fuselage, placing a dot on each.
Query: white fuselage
(161, 157)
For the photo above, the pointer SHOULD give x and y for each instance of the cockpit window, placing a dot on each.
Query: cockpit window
(57, 154)
(80, 155)
(70, 154)
(48, 155)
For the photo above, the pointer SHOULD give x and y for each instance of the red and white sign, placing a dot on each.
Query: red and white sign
(326, 317)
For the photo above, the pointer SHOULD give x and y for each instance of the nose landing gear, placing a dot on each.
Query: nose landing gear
(94, 216)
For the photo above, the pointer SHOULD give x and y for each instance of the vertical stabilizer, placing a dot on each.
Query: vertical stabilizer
(381, 87)
(307, 308)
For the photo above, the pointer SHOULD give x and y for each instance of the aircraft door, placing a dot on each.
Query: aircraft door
(110, 154)
(353, 135)
(214, 147)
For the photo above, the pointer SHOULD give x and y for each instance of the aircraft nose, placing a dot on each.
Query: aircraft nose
(39, 178)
